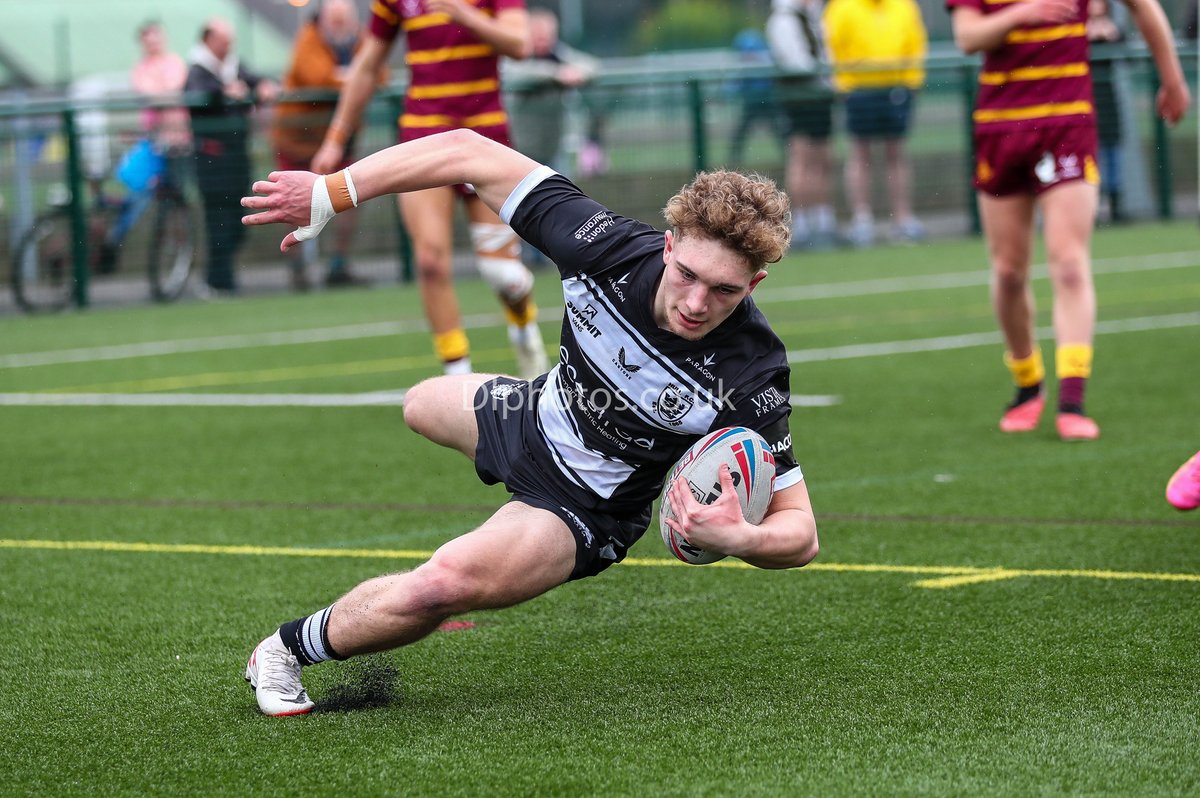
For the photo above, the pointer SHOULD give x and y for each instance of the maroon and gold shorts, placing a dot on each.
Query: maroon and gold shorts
(1033, 161)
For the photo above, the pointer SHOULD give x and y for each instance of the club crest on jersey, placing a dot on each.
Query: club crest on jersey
(627, 368)
(502, 391)
(673, 404)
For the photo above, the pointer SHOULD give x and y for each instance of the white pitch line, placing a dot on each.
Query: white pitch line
(976, 277)
(850, 352)
(948, 342)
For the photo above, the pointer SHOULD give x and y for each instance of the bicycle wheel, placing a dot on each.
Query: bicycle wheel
(43, 274)
(172, 246)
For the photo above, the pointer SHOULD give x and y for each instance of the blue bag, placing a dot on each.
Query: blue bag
(141, 167)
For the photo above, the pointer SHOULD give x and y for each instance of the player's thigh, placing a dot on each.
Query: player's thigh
(1008, 228)
(429, 219)
(442, 409)
(517, 554)
(1068, 217)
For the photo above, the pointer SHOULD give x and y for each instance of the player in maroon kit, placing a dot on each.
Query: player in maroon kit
(452, 52)
(1035, 148)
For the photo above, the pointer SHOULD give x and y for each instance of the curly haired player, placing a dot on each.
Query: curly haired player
(661, 344)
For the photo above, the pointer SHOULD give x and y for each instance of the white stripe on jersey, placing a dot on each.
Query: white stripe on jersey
(645, 374)
(602, 475)
(677, 373)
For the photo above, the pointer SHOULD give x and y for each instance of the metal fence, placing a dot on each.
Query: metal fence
(630, 139)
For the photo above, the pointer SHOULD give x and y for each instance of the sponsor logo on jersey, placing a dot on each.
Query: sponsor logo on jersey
(583, 319)
(503, 391)
(702, 365)
(627, 368)
(594, 227)
(781, 446)
(616, 284)
(766, 401)
(673, 404)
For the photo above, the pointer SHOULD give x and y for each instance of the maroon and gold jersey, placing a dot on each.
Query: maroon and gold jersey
(454, 78)
(1039, 77)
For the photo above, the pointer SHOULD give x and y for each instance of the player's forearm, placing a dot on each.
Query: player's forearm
(355, 94)
(785, 539)
(1152, 23)
(444, 159)
(977, 33)
(508, 33)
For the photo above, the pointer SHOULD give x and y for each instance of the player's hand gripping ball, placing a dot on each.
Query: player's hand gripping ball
(752, 467)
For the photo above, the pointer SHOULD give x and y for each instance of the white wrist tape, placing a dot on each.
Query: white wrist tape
(325, 205)
(321, 213)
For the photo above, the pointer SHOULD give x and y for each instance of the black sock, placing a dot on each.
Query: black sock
(1025, 394)
(307, 638)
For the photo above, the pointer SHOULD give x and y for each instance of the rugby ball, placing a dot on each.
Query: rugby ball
(752, 466)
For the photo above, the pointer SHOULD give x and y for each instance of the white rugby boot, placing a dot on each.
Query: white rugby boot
(274, 673)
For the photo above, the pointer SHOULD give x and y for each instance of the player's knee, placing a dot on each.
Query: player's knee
(1009, 279)
(497, 250)
(1069, 272)
(447, 585)
(419, 405)
(432, 265)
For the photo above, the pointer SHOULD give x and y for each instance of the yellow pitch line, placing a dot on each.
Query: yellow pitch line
(951, 575)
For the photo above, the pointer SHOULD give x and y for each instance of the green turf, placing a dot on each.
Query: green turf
(122, 668)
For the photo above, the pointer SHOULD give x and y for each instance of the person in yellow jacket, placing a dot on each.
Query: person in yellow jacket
(877, 50)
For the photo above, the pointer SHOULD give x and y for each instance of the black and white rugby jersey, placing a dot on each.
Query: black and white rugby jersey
(627, 398)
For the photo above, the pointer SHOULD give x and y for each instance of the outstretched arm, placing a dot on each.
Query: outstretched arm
(444, 159)
(1173, 96)
(356, 92)
(786, 538)
(508, 31)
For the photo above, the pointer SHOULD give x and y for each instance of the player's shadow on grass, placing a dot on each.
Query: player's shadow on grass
(363, 683)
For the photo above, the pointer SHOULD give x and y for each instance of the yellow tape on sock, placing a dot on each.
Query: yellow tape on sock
(1073, 360)
(1026, 371)
(452, 345)
(523, 318)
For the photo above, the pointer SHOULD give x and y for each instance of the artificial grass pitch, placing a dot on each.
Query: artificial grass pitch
(989, 615)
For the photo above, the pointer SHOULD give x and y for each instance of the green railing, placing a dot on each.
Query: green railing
(657, 128)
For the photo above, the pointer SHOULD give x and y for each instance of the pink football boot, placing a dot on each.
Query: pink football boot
(1183, 491)
(1024, 417)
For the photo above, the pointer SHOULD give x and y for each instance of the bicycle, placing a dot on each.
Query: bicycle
(43, 269)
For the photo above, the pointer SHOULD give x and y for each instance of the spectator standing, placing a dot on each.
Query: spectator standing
(552, 70)
(321, 56)
(453, 50)
(221, 129)
(1035, 149)
(794, 33)
(159, 73)
(877, 48)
